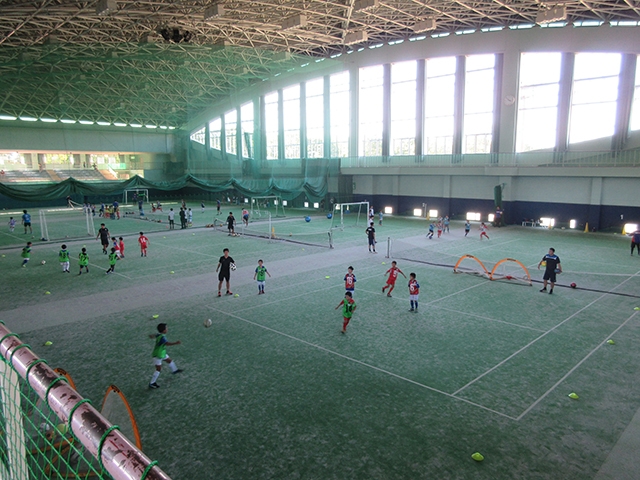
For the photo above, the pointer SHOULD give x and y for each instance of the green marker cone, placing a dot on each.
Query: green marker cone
(574, 396)
(478, 457)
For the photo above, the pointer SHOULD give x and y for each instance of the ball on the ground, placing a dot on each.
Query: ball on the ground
(172, 271)
(47, 293)
(207, 323)
(329, 216)
(43, 262)
(327, 276)
(573, 285)
(233, 266)
(237, 295)
(307, 219)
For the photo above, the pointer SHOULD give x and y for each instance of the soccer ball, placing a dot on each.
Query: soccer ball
(207, 323)
(329, 216)
(42, 262)
(573, 285)
(307, 219)
(233, 266)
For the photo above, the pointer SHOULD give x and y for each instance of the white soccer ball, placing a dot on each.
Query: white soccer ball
(42, 262)
(207, 323)
(233, 266)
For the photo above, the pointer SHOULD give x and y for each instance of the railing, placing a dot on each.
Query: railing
(546, 159)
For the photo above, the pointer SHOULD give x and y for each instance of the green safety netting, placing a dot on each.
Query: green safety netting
(287, 188)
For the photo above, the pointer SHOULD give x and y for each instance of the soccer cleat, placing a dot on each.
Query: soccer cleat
(219, 294)
(550, 292)
(389, 295)
(343, 331)
(154, 385)
(177, 371)
(412, 310)
(382, 289)
(543, 290)
(228, 293)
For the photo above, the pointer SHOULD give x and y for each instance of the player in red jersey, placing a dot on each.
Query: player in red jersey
(350, 280)
(414, 292)
(393, 276)
(144, 243)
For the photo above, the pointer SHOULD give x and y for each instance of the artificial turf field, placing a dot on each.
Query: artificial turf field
(273, 390)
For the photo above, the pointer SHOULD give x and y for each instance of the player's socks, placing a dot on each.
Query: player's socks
(173, 366)
(154, 377)
(550, 291)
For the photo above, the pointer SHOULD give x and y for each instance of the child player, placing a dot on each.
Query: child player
(348, 307)
(260, 275)
(121, 246)
(12, 224)
(26, 254)
(113, 258)
(430, 234)
(467, 227)
(350, 280)
(83, 260)
(144, 243)
(414, 292)
(116, 246)
(483, 231)
(160, 354)
(393, 276)
(63, 256)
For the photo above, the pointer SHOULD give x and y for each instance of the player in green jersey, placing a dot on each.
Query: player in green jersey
(260, 276)
(348, 307)
(113, 258)
(83, 260)
(26, 254)
(63, 256)
(160, 354)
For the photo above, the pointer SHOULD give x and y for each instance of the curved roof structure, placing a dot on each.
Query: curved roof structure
(162, 62)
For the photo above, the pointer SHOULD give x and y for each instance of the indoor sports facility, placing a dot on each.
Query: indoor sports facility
(474, 138)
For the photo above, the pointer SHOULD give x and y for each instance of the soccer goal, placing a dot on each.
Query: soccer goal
(350, 215)
(262, 206)
(134, 194)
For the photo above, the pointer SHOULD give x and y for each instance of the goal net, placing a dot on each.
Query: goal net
(350, 215)
(62, 223)
(132, 195)
(262, 206)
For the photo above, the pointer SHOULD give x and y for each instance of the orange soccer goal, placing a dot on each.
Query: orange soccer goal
(510, 269)
(470, 264)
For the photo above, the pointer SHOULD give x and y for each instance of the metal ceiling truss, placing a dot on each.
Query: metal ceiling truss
(60, 58)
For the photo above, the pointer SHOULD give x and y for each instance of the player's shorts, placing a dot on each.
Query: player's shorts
(391, 281)
(550, 275)
(230, 228)
(349, 290)
(372, 241)
(246, 217)
(223, 276)
(414, 297)
(158, 361)
(261, 283)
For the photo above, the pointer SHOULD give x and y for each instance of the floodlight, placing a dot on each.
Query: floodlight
(246, 200)
(417, 212)
(388, 210)
(424, 25)
(473, 216)
(316, 205)
(491, 217)
(105, 7)
(433, 213)
(356, 37)
(306, 204)
(8, 117)
(28, 119)
(573, 223)
(285, 203)
(547, 222)
(629, 228)
(213, 11)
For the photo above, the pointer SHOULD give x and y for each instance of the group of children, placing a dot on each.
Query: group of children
(443, 225)
(349, 306)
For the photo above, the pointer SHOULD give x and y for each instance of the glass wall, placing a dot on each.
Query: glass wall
(439, 105)
(370, 111)
(478, 104)
(215, 134)
(291, 108)
(271, 125)
(339, 108)
(315, 118)
(231, 132)
(246, 119)
(635, 106)
(594, 96)
(403, 108)
(538, 101)
(198, 136)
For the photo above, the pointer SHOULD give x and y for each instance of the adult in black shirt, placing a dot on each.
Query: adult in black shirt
(553, 266)
(224, 266)
(103, 233)
(231, 220)
(371, 233)
(183, 218)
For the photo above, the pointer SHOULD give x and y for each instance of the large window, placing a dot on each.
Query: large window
(403, 108)
(215, 134)
(439, 104)
(340, 114)
(231, 131)
(478, 104)
(594, 96)
(635, 107)
(271, 124)
(538, 101)
(315, 118)
(370, 111)
(246, 118)
(198, 136)
(291, 109)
